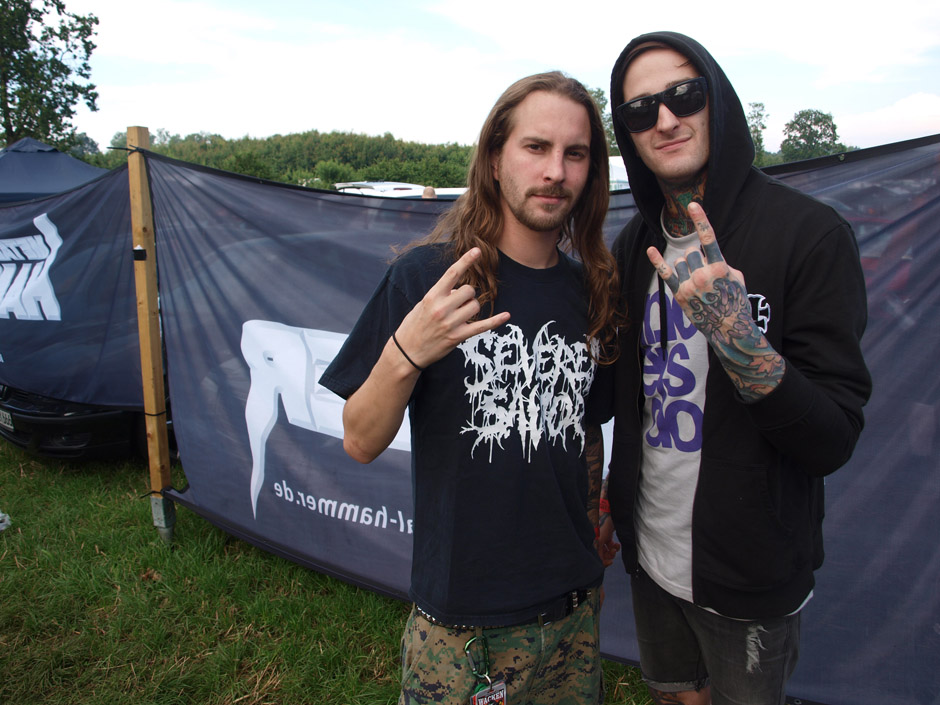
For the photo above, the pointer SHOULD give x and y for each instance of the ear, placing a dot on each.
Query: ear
(494, 165)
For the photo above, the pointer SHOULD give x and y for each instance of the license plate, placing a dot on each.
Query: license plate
(6, 420)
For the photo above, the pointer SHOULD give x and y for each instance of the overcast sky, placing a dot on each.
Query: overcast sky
(429, 71)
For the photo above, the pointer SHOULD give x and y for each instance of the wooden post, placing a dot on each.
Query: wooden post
(148, 324)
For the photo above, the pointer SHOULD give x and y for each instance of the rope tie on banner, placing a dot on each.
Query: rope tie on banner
(130, 150)
(151, 493)
(159, 493)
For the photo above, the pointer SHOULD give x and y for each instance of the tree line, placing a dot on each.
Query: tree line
(322, 159)
(315, 159)
(45, 73)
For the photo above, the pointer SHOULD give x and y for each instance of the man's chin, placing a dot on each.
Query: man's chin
(550, 223)
(679, 177)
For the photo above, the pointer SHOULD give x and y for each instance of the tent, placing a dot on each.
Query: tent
(30, 169)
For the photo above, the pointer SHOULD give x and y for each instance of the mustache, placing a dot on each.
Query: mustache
(551, 191)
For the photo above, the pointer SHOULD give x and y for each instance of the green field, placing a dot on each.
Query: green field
(96, 608)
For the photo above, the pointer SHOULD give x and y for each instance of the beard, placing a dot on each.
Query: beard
(541, 217)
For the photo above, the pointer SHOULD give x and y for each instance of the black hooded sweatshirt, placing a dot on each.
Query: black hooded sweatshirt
(758, 507)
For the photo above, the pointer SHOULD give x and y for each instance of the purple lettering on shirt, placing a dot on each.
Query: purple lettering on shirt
(667, 381)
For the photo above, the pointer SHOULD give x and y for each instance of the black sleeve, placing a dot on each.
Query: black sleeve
(362, 349)
(815, 415)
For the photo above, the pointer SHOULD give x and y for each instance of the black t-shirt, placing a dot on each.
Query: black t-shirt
(499, 471)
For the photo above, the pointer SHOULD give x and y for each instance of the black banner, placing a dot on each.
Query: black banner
(261, 282)
(68, 312)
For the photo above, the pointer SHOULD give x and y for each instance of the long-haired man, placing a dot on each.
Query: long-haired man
(489, 332)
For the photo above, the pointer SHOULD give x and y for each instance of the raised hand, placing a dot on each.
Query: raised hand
(714, 298)
(442, 319)
(683, 266)
(436, 325)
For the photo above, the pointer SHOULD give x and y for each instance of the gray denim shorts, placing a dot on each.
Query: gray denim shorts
(684, 647)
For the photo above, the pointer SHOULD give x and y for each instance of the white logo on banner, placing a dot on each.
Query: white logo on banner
(25, 288)
(285, 364)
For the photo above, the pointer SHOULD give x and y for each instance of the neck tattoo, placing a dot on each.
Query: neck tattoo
(676, 216)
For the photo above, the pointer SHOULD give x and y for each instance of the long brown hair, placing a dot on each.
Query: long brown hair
(476, 220)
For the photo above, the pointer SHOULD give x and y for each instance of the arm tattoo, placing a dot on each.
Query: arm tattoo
(594, 452)
(604, 516)
(724, 316)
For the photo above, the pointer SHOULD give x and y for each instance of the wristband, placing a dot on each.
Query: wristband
(604, 506)
(402, 350)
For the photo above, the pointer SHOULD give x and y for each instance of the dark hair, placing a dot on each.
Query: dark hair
(642, 49)
(476, 219)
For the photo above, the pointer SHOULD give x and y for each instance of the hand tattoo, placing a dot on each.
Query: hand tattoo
(724, 316)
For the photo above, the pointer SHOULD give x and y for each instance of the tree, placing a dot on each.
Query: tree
(330, 172)
(600, 99)
(83, 147)
(757, 123)
(249, 164)
(811, 133)
(44, 53)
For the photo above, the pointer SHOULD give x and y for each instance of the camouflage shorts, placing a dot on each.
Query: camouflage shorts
(555, 664)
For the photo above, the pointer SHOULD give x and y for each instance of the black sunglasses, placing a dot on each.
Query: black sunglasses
(682, 99)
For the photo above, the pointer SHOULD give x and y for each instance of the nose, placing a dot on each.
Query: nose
(555, 166)
(666, 121)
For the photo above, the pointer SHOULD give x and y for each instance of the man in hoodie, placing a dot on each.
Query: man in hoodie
(490, 335)
(739, 386)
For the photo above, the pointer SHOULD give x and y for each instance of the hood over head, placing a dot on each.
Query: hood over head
(731, 150)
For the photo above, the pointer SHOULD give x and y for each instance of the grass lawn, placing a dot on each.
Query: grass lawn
(95, 608)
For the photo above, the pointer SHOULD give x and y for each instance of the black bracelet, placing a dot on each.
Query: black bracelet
(398, 345)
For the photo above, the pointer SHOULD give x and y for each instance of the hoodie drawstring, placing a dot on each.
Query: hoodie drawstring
(663, 318)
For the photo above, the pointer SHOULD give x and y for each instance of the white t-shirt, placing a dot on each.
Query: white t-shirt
(674, 388)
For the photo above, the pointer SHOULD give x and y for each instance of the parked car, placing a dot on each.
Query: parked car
(395, 189)
(69, 430)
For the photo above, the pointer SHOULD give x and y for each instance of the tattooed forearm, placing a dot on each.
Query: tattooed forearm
(724, 316)
(594, 452)
(604, 516)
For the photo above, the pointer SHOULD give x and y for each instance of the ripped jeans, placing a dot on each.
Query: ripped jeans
(684, 647)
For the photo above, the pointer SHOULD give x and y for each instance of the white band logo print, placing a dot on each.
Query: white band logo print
(26, 291)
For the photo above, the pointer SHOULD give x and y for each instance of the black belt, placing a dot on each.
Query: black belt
(555, 610)
(562, 607)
